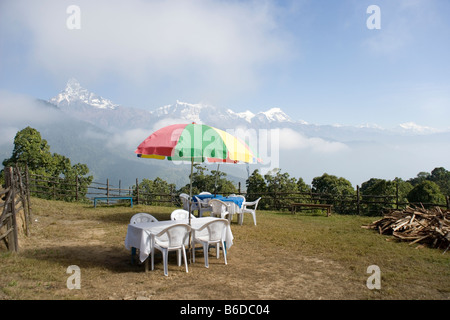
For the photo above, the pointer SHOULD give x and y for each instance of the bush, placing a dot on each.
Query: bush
(338, 190)
(427, 192)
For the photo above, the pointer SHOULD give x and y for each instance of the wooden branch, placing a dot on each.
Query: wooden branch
(419, 225)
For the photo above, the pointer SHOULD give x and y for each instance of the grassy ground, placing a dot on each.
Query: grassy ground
(284, 257)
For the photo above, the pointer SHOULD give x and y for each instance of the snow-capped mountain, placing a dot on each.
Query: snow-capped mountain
(202, 113)
(74, 93)
(85, 105)
(413, 128)
(246, 115)
(198, 113)
(273, 115)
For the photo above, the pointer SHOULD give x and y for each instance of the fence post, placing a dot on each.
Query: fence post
(137, 191)
(76, 188)
(54, 187)
(11, 223)
(107, 191)
(358, 208)
(396, 194)
(22, 194)
(27, 188)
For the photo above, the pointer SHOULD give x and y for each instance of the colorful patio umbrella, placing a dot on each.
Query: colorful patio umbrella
(196, 143)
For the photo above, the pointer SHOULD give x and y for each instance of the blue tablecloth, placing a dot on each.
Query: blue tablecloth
(236, 200)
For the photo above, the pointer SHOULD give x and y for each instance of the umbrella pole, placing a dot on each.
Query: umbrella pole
(190, 204)
(215, 182)
(190, 189)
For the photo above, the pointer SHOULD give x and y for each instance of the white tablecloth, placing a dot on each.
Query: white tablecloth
(139, 235)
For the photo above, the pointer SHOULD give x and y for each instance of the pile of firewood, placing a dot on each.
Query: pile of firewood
(418, 225)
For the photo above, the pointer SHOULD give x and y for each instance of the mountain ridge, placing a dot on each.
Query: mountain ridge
(85, 105)
(88, 106)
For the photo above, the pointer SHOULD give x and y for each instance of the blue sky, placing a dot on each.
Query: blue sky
(316, 60)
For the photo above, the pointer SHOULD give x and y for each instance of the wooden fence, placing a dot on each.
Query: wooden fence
(57, 188)
(356, 203)
(15, 208)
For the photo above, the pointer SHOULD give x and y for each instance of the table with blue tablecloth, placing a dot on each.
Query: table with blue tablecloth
(236, 200)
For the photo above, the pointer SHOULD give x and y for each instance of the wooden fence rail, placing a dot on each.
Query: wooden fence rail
(15, 208)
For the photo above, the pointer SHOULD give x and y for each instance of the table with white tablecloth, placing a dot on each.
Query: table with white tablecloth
(139, 235)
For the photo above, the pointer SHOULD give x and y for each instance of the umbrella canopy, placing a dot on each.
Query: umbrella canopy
(196, 143)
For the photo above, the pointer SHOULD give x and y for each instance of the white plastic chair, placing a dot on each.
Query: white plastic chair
(185, 200)
(142, 217)
(180, 214)
(215, 235)
(219, 209)
(170, 239)
(252, 211)
(202, 206)
(240, 196)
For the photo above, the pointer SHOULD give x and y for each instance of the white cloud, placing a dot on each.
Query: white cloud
(415, 128)
(292, 140)
(205, 43)
(7, 134)
(166, 122)
(18, 111)
(127, 140)
(402, 25)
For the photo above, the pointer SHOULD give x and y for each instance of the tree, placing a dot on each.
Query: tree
(367, 186)
(151, 192)
(256, 186)
(426, 192)
(383, 193)
(337, 190)
(33, 151)
(214, 182)
(404, 187)
(378, 194)
(279, 185)
(332, 185)
(438, 175)
(421, 176)
(303, 188)
(30, 149)
(256, 183)
(441, 177)
(221, 184)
